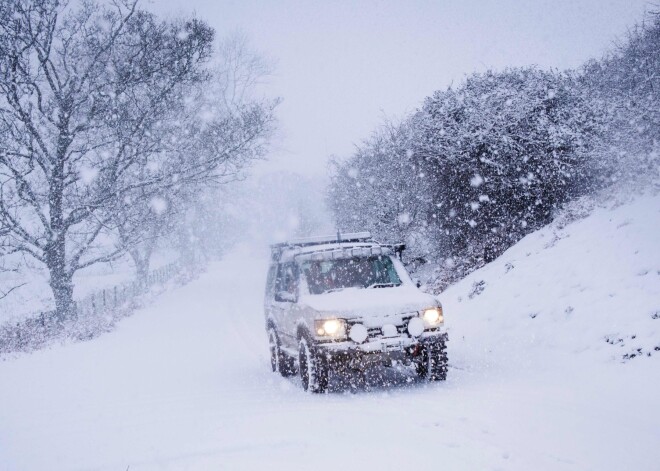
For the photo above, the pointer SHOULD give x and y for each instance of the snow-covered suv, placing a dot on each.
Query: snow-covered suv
(346, 303)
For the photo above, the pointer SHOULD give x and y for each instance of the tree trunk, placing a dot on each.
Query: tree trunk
(55, 253)
(141, 269)
(63, 293)
(143, 272)
(142, 262)
(61, 283)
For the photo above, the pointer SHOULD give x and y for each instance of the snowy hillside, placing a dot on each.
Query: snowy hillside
(590, 288)
(534, 384)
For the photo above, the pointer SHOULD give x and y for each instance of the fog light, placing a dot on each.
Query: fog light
(415, 327)
(358, 333)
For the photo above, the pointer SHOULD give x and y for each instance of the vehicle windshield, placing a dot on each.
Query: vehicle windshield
(324, 276)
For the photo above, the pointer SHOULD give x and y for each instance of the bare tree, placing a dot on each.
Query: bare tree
(210, 139)
(240, 71)
(6, 290)
(78, 89)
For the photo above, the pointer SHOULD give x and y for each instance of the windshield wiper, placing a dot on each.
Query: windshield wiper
(383, 285)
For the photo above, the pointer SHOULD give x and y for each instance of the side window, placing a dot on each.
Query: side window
(270, 281)
(287, 279)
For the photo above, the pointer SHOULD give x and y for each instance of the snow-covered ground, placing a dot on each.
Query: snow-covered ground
(534, 385)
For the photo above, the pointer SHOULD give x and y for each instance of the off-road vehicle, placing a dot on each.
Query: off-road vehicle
(346, 303)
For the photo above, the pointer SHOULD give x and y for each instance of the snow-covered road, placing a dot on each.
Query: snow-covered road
(186, 384)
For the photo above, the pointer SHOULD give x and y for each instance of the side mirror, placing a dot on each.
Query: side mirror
(285, 297)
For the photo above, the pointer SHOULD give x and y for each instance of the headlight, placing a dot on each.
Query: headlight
(330, 328)
(433, 317)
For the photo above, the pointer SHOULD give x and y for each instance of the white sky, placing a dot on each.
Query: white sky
(342, 66)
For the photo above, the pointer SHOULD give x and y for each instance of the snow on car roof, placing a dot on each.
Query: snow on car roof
(339, 237)
(335, 250)
(341, 245)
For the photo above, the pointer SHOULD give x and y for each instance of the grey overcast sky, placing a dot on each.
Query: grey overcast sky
(344, 65)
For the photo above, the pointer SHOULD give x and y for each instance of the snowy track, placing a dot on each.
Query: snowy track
(186, 384)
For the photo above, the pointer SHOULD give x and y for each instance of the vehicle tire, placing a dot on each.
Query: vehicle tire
(313, 368)
(432, 364)
(280, 362)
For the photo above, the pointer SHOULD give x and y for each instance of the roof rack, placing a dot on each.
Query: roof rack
(349, 237)
(306, 241)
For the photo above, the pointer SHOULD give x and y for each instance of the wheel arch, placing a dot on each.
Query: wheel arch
(302, 331)
(270, 323)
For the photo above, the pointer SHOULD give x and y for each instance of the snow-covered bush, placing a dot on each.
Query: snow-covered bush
(474, 170)
(503, 151)
(382, 188)
(625, 87)
(480, 165)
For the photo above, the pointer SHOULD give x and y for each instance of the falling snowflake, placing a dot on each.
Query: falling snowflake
(403, 219)
(88, 174)
(476, 181)
(207, 115)
(158, 205)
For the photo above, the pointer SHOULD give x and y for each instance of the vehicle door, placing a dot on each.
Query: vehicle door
(270, 292)
(285, 307)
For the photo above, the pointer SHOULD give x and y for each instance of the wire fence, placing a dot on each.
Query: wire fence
(91, 315)
(119, 295)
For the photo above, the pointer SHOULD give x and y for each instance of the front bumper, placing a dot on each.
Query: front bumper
(382, 350)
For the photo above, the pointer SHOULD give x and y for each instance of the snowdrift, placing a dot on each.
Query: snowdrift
(587, 285)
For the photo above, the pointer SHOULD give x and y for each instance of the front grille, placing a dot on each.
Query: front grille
(376, 332)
